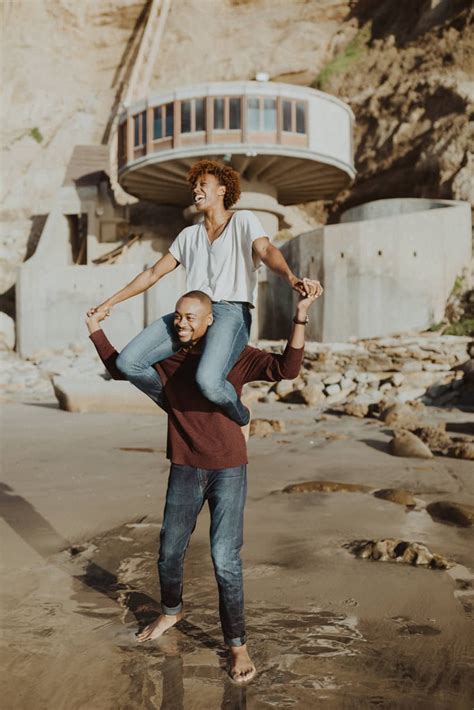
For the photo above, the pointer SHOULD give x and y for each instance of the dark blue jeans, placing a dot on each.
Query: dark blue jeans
(225, 491)
(223, 343)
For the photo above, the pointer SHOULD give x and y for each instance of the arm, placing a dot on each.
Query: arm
(105, 350)
(272, 368)
(140, 283)
(276, 262)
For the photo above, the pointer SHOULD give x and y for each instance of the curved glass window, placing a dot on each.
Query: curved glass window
(234, 113)
(200, 112)
(253, 114)
(169, 120)
(300, 117)
(158, 123)
(219, 106)
(269, 115)
(186, 117)
(286, 115)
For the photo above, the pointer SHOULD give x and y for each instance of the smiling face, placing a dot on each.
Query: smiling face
(192, 318)
(208, 193)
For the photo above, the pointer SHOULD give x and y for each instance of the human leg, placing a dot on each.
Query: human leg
(226, 495)
(184, 500)
(156, 342)
(224, 341)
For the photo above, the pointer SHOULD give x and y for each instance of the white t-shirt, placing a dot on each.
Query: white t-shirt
(225, 269)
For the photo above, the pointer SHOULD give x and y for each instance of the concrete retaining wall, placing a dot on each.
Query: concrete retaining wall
(382, 275)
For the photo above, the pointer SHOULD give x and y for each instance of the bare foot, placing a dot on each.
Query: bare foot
(242, 669)
(158, 627)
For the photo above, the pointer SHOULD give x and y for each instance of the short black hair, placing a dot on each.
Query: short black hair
(199, 296)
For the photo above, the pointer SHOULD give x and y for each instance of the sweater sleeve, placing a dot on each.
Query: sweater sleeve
(107, 354)
(262, 365)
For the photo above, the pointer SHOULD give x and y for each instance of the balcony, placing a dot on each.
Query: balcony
(295, 139)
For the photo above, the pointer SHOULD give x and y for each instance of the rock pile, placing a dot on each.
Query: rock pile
(400, 369)
(391, 549)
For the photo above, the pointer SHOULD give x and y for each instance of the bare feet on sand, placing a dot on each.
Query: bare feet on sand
(158, 627)
(241, 669)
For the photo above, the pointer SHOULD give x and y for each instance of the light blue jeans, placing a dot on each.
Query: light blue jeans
(223, 343)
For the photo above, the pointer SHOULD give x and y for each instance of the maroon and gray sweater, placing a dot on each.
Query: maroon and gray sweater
(199, 433)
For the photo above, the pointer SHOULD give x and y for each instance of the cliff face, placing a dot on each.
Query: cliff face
(407, 75)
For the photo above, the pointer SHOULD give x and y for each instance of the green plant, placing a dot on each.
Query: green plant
(463, 327)
(345, 59)
(36, 134)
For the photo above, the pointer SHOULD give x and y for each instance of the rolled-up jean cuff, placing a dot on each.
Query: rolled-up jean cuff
(239, 641)
(171, 610)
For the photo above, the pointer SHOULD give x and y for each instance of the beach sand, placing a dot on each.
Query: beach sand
(81, 501)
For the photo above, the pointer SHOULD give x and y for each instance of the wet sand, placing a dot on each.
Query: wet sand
(80, 522)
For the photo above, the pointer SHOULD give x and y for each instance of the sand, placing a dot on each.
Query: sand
(80, 522)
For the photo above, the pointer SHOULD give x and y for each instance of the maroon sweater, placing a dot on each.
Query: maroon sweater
(199, 433)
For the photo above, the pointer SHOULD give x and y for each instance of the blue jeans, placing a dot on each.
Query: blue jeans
(223, 343)
(225, 491)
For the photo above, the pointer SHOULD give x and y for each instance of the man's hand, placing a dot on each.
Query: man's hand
(93, 320)
(303, 305)
(306, 287)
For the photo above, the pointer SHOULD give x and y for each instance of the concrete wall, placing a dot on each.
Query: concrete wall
(53, 302)
(381, 276)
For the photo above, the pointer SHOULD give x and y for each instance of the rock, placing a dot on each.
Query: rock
(354, 409)
(435, 437)
(396, 495)
(325, 487)
(332, 389)
(7, 330)
(312, 394)
(94, 394)
(266, 427)
(388, 549)
(407, 394)
(400, 416)
(366, 377)
(404, 443)
(412, 366)
(450, 512)
(462, 450)
(347, 383)
(397, 379)
(284, 387)
(333, 379)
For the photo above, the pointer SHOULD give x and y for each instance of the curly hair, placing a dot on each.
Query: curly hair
(226, 176)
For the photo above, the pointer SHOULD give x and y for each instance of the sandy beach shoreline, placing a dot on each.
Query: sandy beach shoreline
(82, 500)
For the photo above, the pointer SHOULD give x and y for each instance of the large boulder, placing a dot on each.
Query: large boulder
(94, 394)
(450, 512)
(400, 416)
(404, 443)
